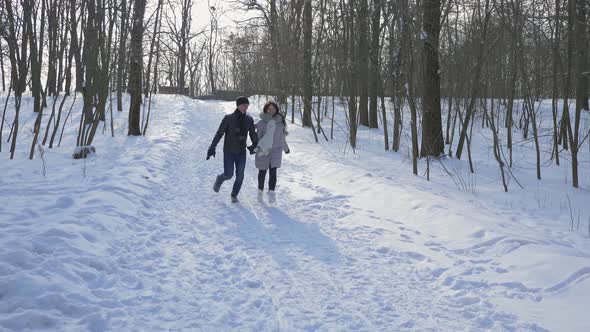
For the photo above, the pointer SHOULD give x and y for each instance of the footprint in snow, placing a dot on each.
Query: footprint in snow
(252, 283)
(415, 256)
(383, 250)
(406, 237)
(479, 234)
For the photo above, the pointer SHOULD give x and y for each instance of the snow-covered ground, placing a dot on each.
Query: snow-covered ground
(134, 238)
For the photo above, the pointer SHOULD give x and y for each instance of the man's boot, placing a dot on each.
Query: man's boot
(217, 184)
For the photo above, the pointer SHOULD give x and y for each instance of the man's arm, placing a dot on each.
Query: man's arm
(220, 132)
(253, 135)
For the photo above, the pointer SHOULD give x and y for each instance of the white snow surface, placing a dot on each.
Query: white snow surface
(134, 238)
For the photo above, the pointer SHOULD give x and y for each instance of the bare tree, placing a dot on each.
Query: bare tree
(476, 81)
(212, 47)
(154, 41)
(307, 79)
(374, 63)
(136, 69)
(18, 63)
(363, 61)
(432, 138)
(122, 54)
(2, 64)
(555, 86)
(397, 51)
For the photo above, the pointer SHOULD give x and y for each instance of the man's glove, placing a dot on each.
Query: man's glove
(252, 149)
(288, 151)
(210, 153)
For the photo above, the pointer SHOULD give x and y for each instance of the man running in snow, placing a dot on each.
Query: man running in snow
(235, 127)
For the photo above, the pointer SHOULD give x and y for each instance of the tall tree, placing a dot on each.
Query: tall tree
(2, 66)
(212, 48)
(122, 56)
(307, 79)
(18, 64)
(555, 87)
(363, 62)
(277, 83)
(432, 137)
(581, 35)
(28, 7)
(351, 70)
(579, 8)
(183, 43)
(136, 68)
(76, 42)
(90, 63)
(375, 76)
(153, 43)
(36, 49)
(396, 58)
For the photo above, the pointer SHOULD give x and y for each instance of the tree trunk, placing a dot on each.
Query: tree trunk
(28, 7)
(374, 64)
(581, 56)
(212, 44)
(398, 81)
(384, 116)
(363, 62)
(432, 137)
(408, 57)
(40, 47)
(307, 79)
(91, 64)
(75, 45)
(135, 70)
(275, 60)
(351, 74)
(184, 37)
(70, 57)
(18, 65)
(36, 53)
(51, 86)
(122, 54)
(555, 87)
(103, 77)
(582, 83)
(155, 36)
(2, 67)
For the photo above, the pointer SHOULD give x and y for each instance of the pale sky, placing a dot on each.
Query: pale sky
(227, 9)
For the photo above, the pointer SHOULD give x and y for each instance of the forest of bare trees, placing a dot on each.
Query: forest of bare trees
(444, 64)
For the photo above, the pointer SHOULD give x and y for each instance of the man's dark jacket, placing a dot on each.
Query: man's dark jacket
(236, 127)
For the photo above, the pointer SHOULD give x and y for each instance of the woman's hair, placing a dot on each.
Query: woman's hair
(277, 109)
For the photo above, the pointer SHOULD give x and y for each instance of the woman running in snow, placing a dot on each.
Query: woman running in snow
(272, 128)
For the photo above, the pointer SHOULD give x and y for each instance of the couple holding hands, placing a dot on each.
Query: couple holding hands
(268, 138)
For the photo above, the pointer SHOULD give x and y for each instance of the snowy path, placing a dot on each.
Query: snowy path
(245, 265)
(292, 265)
(212, 264)
(139, 241)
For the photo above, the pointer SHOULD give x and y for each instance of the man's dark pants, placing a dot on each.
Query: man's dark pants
(231, 160)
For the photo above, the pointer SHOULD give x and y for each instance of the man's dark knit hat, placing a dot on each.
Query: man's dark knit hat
(242, 100)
